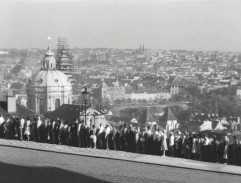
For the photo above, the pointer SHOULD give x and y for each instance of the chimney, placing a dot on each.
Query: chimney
(11, 102)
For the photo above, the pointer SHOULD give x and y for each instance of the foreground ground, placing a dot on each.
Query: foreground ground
(24, 165)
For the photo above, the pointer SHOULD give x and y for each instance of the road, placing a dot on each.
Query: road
(23, 165)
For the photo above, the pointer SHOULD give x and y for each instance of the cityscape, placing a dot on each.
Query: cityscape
(168, 110)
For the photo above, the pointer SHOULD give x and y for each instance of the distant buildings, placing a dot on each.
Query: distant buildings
(148, 95)
(113, 91)
(238, 92)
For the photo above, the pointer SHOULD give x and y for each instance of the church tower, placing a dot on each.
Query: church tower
(64, 62)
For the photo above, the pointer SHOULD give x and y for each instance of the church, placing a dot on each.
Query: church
(49, 88)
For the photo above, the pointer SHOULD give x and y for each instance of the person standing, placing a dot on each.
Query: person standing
(100, 135)
(214, 149)
(225, 151)
(171, 144)
(114, 135)
(184, 145)
(194, 146)
(78, 133)
(2, 122)
(155, 145)
(189, 146)
(235, 154)
(73, 131)
(82, 135)
(34, 130)
(13, 128)
(61, 133)
(93, 136)
(148, 140)
(107, 134)
(54, 128)
(205, 148)
(8, 127)
(219, 149)
(178, 144)
(200, 147)
(164, 147)
(21, 128)
(27, 129)
(39, 130)
(87, 137)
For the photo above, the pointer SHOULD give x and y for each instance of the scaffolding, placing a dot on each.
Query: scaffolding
(62, 44)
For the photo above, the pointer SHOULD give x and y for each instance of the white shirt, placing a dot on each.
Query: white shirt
(206, 142)
(101, 129)
(22, 121)
(79, 126)
(2, 120)
(155, 135)
(39, 122)
(171, 140)
(107, 131)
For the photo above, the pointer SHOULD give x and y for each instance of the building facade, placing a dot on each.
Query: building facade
(148, 95)
(113, 92)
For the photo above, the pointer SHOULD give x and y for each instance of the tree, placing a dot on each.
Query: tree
(106, 104)
(129, 100)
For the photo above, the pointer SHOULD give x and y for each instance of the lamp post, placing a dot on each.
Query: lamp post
(85, 95)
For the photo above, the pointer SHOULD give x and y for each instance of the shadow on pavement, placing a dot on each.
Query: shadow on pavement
(24, 174)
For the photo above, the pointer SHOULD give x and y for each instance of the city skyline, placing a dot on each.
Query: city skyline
(187, 25)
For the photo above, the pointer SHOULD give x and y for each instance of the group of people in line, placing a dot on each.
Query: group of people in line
(152, 141)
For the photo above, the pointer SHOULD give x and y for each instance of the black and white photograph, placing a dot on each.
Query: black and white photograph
(120, 91)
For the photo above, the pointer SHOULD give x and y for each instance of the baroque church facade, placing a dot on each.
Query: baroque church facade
(49, 88)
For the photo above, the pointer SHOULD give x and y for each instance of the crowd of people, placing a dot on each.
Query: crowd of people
(216, 149)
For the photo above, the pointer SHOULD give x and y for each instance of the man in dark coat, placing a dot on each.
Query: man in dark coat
(184, 145)
(214, 149)
(8, 124)
(73, 132)
(13, 128)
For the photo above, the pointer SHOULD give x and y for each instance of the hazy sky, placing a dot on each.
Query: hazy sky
(193, 25)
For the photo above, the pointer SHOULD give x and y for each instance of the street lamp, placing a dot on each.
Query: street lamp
(85, 95)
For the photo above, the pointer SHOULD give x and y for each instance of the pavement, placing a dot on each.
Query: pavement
(125, 156)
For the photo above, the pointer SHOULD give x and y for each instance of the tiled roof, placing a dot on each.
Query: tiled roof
(143, 115)
(214, 124)
(168, 115)
(20, 110)
(67, 112)
(3, 112)
(17, 86)
(24, 111)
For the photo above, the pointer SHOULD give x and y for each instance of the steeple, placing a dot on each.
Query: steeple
(140, 49)
(143, 48)
(49, 62)
(64, 62)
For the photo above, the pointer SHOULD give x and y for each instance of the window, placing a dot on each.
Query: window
(57, 103)
(41, 106)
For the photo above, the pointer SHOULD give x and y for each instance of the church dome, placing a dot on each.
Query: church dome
(49, 88)
(50, 78)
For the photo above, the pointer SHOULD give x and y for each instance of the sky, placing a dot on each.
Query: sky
(163, 24)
